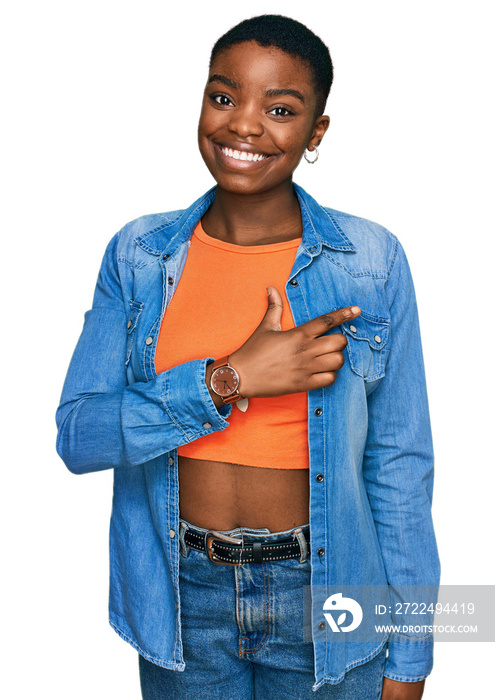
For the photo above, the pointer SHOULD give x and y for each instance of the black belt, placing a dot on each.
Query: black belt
(223, 549)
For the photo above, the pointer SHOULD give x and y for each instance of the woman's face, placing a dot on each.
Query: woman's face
(257, 118)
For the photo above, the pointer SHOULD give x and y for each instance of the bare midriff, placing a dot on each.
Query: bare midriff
(222, 496)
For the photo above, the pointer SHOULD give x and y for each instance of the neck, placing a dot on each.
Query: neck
(260, 219)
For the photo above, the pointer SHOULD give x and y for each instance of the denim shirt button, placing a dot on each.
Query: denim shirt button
(353, 329)
(319, 478)
(166, 256)
(171, 461)
(206, 426)
(149, 340)
(129, 323)
(170, 280)
(293, 283)
(321, 626)
(378, 339)
(318, 411)
(321, 552)
(171, 534)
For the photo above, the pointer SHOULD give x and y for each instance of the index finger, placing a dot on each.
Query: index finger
(321, 324)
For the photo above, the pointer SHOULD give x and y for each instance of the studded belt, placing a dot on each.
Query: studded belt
(224, 549)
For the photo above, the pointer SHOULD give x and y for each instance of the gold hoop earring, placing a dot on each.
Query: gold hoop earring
(308, 159)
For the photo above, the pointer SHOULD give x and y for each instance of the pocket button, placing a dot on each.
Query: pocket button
(353, 329)
(378, 339)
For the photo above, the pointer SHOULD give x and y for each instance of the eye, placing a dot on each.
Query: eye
(281, 112)
(222, 100)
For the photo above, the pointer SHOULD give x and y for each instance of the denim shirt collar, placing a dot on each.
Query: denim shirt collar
(319, 227)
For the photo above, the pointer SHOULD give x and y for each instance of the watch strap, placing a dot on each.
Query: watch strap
(221, 362)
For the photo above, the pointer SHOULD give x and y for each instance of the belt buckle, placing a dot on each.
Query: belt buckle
(215, 535)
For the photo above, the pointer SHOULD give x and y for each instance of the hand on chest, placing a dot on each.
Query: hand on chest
(221, 298)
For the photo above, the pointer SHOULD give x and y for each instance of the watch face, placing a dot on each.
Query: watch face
(224, 381)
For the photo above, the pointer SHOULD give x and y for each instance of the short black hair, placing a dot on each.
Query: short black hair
(290, 36)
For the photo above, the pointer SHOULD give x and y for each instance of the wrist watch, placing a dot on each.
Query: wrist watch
(224, 380)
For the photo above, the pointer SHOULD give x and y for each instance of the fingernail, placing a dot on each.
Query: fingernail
(355, 309)
(269, 290)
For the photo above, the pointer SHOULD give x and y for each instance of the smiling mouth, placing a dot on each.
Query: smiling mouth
(243, 155)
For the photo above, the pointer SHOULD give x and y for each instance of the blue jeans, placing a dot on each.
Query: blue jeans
(242, 633)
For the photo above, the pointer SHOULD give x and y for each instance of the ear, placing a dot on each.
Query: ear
(319, 129)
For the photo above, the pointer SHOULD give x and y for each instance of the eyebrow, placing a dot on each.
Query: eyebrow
(218, 78)
(285, 91)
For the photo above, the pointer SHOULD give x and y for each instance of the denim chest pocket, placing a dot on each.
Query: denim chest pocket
(135, 311)
(367, 340)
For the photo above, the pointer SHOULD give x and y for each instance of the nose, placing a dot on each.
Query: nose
(245, 120)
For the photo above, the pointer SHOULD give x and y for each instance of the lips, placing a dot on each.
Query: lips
(242, 155)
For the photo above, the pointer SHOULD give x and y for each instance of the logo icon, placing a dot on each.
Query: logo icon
(337, 603)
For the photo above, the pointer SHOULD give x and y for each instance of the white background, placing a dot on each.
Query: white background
(101, 100)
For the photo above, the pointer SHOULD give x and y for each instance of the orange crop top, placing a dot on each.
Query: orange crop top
(211, 315)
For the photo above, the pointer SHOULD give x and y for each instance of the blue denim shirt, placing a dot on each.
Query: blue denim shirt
(369, 432)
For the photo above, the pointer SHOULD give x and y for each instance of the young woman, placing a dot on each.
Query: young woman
(259, 355)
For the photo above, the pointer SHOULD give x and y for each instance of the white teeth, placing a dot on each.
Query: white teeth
(242, 155)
